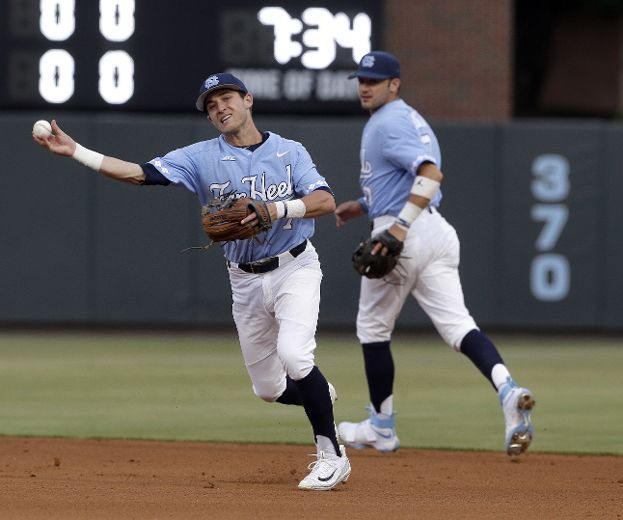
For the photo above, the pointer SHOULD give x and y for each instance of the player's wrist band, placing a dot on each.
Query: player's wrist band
(294, 209)
(88, 157)
(408, 214)
(281, 209)
(424, 187)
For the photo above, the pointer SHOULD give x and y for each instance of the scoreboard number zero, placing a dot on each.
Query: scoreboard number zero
(56, 66)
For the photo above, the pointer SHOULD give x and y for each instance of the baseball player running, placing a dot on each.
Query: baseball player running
(400, 179)
(275, 281)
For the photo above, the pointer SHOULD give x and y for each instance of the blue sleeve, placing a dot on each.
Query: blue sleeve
(305, 175)
(178, 167)
(408, 147)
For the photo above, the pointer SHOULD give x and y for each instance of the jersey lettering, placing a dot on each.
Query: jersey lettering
(258, 189)
(366, 167)
(219, 189)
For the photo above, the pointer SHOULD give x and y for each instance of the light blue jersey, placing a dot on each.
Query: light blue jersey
(279, 169)
(395, 142)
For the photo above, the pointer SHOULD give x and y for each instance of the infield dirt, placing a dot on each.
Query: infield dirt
(43, 478)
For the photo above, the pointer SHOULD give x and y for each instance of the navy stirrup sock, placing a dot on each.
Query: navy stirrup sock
(482, 352)
(291, 394)
(379, 365)
(314, 391)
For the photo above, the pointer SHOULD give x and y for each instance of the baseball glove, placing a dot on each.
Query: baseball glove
(221, 220)
(377, 266)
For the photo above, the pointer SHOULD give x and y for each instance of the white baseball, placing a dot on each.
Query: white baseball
(42, 129)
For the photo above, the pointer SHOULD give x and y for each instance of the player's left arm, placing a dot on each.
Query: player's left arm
(425, 186)
(317, 199)
(319, 202)
(410, 146)
(315, 204)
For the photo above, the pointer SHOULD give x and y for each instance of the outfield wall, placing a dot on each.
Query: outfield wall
(536, 205)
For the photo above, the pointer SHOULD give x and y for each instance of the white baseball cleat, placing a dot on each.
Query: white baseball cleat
(517, 404)
(327, 471)
(377, 431)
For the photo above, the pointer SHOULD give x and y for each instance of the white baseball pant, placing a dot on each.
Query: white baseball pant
(276, 314)
(429, 270)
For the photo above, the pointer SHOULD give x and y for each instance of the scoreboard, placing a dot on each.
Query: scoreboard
(152, 55)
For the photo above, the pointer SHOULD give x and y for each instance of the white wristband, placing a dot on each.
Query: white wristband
(408, 214)
(295, 209)
(424, 187)
(281, 209)
(88, 157)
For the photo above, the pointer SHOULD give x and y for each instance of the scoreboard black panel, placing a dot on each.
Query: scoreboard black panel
(152, 55)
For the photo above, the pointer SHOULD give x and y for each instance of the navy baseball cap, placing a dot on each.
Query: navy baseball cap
(216, 82)
(377, 65)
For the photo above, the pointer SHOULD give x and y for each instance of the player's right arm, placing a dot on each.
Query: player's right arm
(347, 211)
(62, 144)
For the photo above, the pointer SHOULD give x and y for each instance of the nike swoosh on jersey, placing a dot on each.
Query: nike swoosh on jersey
(228, 158)
(281, 154)
(325, 479)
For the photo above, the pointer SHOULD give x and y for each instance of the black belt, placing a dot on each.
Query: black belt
(268, 264)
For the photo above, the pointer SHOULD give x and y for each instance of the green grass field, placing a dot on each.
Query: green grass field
(195, 387)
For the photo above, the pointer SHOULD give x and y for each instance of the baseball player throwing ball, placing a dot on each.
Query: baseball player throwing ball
(274, 272)
(413, 250)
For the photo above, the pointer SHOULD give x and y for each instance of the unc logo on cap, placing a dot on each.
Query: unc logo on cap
(367, 61)
(377, 65)
(218, 81)
(212, 81)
